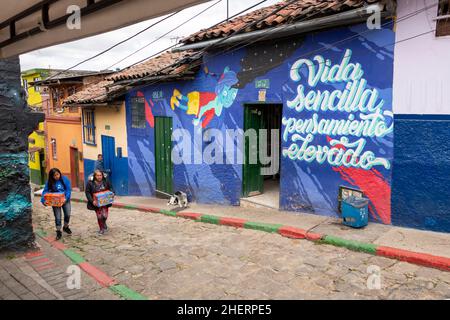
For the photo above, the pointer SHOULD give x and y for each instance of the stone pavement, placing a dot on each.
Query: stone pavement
(428, 242)
(43, 275)
(163, 257)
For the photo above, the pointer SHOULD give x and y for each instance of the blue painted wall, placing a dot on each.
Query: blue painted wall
(305, 185)
(120, 175)
(421, 174)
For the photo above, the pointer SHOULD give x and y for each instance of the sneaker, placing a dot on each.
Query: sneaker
(101, 232)
(58, 235)
(67, 230)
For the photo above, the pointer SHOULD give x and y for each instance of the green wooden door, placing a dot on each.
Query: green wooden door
(163, 150)
(252, 182)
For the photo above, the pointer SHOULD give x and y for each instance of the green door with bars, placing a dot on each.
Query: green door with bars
(252, 182)
(163, 151)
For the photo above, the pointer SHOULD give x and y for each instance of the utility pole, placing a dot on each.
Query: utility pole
(228, 9)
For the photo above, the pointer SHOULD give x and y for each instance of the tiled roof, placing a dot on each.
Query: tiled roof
(61, 75)
(96, 93)
(172, 64)
(299, 10)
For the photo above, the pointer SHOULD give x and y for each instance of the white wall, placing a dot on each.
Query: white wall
(421, 65)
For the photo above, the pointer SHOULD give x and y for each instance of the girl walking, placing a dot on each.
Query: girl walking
(98, 184)
(57, 183)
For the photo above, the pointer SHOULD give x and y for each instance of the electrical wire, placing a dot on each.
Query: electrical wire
(114, 46)
(165, 34)
(259, 39)
(174, 45)
(301, 56)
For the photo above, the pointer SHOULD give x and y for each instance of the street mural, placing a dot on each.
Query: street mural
(362, 116)
(336, 130)
(204, 106)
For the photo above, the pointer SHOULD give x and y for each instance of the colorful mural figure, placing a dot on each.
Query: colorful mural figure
(149, 105)
(204, 106)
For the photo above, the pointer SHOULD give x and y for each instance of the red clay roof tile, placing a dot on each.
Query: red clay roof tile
(299, 10)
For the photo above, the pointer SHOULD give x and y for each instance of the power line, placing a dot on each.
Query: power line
(114, 46)
(303, 55)
(223, 39)
(306, 54)
(170, 47)
(165, 34)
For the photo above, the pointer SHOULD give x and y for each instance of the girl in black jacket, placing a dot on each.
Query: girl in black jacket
(98, 184)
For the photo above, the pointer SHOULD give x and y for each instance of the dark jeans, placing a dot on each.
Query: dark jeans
(66, 208)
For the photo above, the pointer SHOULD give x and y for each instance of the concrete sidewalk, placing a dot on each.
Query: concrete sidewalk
(426, 242)
(42, 275)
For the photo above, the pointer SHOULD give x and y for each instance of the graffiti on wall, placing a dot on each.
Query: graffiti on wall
(18, 122)
(204, 106)
(332, 127)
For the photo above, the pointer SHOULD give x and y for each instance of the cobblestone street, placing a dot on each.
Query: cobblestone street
(171, 258)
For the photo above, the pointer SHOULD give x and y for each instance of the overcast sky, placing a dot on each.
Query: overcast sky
(66, 55)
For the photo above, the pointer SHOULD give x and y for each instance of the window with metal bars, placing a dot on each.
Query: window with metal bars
(138, 113)
(443, 19)
(89, 127)
(53, 144)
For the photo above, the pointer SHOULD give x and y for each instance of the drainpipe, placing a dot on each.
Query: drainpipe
(340, 19)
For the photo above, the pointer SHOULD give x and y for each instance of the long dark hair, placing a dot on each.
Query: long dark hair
(51, 180)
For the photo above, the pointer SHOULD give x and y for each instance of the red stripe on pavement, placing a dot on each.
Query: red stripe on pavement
(423, 259)
(232, 222)
(34, 254)
(101, 277)
(50, 239)
(46, 266)
(59, 245)
(189, 215)
(291, 232)
(40, 261)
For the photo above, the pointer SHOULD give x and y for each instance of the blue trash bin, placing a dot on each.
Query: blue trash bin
(355, 212)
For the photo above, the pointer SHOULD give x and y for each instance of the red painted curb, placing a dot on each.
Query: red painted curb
(59, 245)
(314, 236)
(189, 215)
(118, 205)
(101, 277)
(34, 254)
(232, 222)
(291, 232)
(423, 259)
(149, 209)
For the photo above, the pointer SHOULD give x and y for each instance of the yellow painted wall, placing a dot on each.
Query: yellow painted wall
(115, 118)
(34, 97)
(35, 101)
(39, 141)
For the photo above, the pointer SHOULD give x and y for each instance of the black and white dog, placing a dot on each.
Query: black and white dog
(179, 198)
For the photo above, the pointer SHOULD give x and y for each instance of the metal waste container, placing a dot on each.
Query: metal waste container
(355, 211)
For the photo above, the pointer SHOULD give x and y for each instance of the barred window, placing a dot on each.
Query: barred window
(138, 113)
(443, 19)
(88, 127)
(37, 88)
(53, 145)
